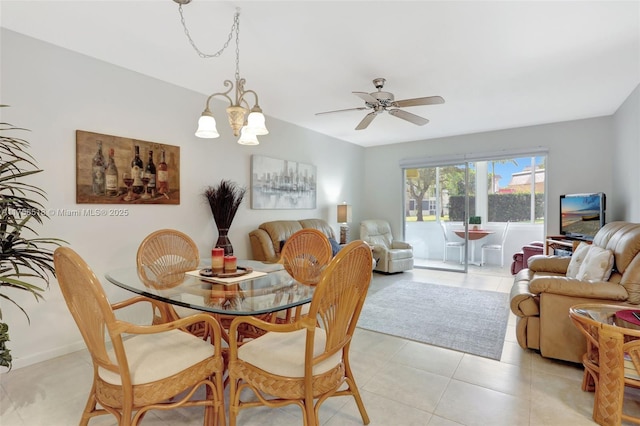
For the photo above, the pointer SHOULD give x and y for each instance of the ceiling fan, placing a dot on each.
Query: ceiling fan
(384, 101)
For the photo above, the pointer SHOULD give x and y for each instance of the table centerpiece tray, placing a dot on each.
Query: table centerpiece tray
(241, 270)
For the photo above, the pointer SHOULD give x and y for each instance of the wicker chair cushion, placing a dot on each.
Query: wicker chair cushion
(283, 353)
(153, 357)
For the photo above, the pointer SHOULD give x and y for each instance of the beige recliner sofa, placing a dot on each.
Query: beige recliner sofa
(268, 239)
(390, 255)
(542, 294)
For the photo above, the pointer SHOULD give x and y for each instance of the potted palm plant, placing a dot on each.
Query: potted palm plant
(24, 257)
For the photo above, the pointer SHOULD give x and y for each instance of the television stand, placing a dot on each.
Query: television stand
(561, 242)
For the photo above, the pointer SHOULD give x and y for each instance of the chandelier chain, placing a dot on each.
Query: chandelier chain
(237, 24)
(235, 27)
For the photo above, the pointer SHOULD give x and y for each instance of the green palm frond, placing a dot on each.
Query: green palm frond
(25, 257)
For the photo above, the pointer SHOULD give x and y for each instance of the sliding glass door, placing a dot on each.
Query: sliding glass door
(454, 208)
(436, 200)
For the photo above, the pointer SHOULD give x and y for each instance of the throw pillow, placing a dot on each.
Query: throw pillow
(335, 247)
(577, 259)
(597, 265)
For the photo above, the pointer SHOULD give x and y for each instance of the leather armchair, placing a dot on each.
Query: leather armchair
(521, 258)
(391, 255)
(542, 293)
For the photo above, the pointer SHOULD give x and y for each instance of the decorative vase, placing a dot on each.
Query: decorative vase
(223, 241)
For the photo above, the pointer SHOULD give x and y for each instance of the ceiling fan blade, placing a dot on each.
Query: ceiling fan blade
(412, 118)
(366, 97)
(341, 110)
(366, 121)
(429, 100)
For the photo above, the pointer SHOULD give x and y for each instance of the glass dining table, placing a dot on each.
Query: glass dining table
(274, 290)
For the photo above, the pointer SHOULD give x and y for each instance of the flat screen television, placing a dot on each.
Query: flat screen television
(582, 215)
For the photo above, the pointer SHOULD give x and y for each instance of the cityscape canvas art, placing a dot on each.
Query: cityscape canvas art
(282, 184)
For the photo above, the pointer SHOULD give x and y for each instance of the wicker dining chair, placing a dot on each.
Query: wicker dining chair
(308, 359)
(304, 256)
(612, 360)
(163, 258)
(154, 367)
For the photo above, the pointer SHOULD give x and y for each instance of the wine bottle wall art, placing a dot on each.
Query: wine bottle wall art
(120, 170)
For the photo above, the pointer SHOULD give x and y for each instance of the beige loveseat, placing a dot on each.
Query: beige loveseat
(268, 239)
(542, 294)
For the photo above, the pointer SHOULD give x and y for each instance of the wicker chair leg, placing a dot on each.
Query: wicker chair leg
(90, 407)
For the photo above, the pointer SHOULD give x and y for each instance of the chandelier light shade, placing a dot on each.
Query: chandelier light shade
(207, 126)
(245, 122)
(256, 122)
(247, 137)
(344, 217)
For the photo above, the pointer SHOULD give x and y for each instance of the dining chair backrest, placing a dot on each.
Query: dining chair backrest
(339, 297)
(164, 256)
(305, 254)
(154, 367)
(504, 233)
(90, 309)
(444, 231)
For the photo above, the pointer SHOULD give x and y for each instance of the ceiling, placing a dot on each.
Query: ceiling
(498, 65)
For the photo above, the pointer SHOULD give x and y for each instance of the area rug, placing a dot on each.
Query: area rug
(465, 320)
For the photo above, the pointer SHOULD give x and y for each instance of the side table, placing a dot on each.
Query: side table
(612, 360)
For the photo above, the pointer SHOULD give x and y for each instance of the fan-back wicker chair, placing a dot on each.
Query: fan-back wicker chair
(155, 367)
(612, 360)
(308, 359)
(304, 256)
(163, 258)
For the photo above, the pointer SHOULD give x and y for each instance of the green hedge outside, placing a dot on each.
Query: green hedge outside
(502, 207)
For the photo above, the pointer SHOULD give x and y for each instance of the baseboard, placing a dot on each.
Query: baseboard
(21, 362)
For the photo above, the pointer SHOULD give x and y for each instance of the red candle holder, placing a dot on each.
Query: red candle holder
(230, 264)
(217, 260)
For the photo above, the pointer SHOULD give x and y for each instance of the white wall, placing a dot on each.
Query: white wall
(53, 92)
(625, 202)
(579, 160)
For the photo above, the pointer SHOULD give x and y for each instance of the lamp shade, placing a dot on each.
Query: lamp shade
(412, 173)
(255, 123)
(207, 126)
(247, 137)
(344, 213)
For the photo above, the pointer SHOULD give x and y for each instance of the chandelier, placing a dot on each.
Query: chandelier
(246, 122)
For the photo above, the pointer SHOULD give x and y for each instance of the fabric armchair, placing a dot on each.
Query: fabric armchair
(391, 255)
(521, 258)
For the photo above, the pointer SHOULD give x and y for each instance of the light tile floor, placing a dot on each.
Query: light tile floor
(402, 382)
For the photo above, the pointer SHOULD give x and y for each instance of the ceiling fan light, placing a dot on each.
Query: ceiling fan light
(207, 126)
(256, 122)
(247, 137)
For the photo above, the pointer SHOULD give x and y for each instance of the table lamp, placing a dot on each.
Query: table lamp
(344, 217)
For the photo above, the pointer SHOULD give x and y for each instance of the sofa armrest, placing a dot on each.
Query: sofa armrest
(261, 246)
(380, 253)
(543, 263)
(400, 245)
(578, 288)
